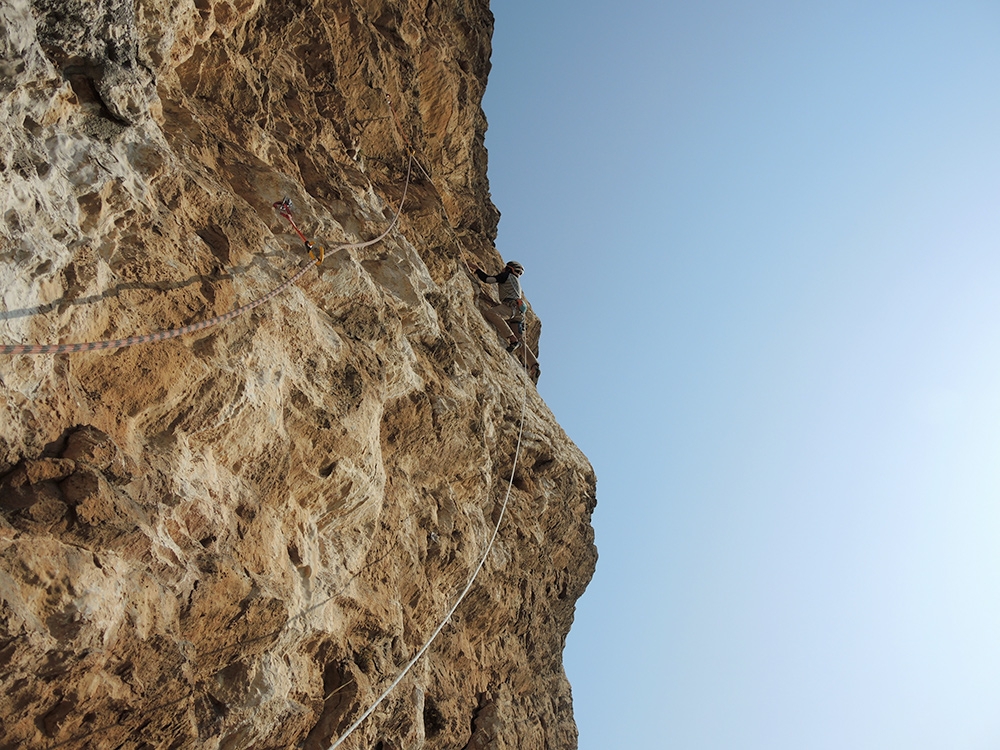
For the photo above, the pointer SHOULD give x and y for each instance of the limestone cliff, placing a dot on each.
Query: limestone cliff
(236, 538)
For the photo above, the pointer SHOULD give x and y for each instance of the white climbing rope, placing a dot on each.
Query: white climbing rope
(468, 587)
(395, 218)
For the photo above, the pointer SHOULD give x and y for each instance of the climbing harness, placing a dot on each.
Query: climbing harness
(461, 596)
(520, 307)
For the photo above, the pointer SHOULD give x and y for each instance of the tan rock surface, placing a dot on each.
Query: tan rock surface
(236, 538)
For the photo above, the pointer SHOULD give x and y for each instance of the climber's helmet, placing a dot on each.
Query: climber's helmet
(516, 267)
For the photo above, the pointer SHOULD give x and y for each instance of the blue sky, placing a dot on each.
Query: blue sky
(763, 241)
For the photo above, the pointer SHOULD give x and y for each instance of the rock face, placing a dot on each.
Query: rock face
(237, 538)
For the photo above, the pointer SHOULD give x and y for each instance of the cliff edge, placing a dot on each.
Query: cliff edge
(237, 537)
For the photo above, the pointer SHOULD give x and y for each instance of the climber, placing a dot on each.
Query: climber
(511, 308)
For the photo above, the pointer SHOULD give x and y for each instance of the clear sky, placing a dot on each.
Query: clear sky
(764, 241)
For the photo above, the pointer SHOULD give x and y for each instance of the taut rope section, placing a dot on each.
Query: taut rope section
(468, 587)
(284, 208)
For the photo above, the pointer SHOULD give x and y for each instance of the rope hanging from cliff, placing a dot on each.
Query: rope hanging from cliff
(461, 596)
(285, 209)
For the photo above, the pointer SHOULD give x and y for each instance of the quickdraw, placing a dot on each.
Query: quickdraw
(284, 207)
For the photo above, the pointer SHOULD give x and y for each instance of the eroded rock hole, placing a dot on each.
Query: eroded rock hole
(433, 719)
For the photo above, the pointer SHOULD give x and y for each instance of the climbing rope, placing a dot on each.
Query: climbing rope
(461, 596)
(285, 209)
(472, 579)
(149, 337)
